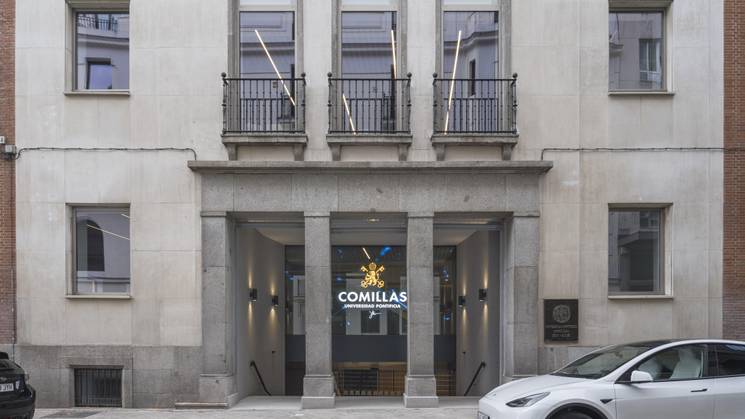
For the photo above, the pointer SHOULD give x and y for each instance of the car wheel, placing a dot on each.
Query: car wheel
(572, 415)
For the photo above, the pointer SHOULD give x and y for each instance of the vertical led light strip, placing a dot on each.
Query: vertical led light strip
(452, 83)
(349, 114)
(393, 51)
(279, 76)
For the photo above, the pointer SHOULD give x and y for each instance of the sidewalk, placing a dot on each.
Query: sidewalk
(286, 407)
(440, 413)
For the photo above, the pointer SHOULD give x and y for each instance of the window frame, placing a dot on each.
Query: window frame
(400, 13)
(665, 268)
(72, 283)
(664, 42)
(234, 44)
(73, 47)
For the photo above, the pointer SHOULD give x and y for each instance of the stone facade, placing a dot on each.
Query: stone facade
(7, 173)
(157, 148)
(734, 172)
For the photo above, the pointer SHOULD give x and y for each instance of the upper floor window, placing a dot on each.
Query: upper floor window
(368, 45)
(102, 251)
(636, 46)
(470, 45)
(101, 50)
(635, 251)
(369, 3)
(490, 3)
(267, 45)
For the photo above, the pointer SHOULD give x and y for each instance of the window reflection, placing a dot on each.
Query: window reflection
(634, 251)
(277, 30)
(636, 56)
(102, 50)
(367, 48)
(477, 56)
(102, 250)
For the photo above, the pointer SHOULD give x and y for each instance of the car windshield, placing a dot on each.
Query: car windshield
(603, 362)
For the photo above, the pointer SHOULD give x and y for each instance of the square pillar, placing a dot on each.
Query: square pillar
(421, 389)
(318, 383)
(217, 381)
(520, 289)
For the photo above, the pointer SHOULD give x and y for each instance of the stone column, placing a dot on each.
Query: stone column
(421, 390)
(217, 381)
(318, 384)
(521, 296)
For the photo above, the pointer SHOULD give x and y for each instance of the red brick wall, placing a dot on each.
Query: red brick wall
(734, 169)
(7, 174)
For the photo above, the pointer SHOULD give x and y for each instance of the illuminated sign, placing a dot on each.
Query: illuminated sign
(373, 299)
(372, 275)
(383, 299)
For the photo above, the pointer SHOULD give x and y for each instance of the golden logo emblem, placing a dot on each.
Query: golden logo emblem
(372, 275)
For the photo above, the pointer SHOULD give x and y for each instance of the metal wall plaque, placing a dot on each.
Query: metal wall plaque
(560, 320)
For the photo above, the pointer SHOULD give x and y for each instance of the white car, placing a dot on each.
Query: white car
(683, 379)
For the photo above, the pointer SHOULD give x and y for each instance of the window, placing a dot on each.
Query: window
(635, 251)
(277, 32)
(101, 51)
(478, 33)
(368, 46)
(492, 3)
(681, 363)
(636, 50)
(101, 250)
(730, 360)
(471, 77)
(98, 387)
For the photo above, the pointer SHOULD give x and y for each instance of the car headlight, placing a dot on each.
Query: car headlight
(528, 400)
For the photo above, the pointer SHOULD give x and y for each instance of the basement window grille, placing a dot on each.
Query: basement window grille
(98, 387)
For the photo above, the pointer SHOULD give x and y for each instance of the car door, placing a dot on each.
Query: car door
(729, 386)
(679, 389)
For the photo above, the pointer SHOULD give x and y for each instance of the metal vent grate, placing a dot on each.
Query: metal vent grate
(98, 387)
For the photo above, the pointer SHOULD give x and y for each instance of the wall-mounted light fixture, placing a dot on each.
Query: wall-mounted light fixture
(482, 294)
(253, 294)
(275, 300)
(461, 301)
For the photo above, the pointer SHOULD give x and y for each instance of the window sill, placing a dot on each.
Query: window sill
(641, 93)
(98, 297)
(116, 93)
(640, 297)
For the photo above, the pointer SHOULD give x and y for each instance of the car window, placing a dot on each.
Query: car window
(603, 362)
(6, 364)
(731, 359)
(681, 363)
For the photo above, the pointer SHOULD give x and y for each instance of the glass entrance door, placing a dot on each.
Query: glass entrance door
(369, 317)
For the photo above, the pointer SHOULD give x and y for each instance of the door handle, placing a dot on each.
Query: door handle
(703, 390)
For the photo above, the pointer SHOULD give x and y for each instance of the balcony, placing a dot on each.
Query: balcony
(369, 112)
(264, 112)
(475, 112)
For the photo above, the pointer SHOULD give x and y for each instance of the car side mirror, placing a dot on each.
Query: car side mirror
(638, 377)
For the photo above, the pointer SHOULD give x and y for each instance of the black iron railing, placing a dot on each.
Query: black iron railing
(369, 106)
(475, 106)
(263, 105)
(482, 365)
(95, 22)
(261, 379)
